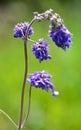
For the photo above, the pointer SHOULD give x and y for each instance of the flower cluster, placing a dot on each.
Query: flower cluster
(58, 33)
(40, 50)
(21, 30)
(41, 79)
(61, 37)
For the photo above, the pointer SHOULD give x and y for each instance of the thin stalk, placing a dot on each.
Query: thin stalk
(10, 119)
(32, 21)
(28, 109)
(25, 75)
(32, 40)
(23, 86)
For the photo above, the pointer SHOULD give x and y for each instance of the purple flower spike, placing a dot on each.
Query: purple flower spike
(61, 37)
(20, 30)
(41, 79)
(40, 50)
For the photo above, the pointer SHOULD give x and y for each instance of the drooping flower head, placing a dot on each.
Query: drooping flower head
(59, 33)
(62, 37)
(41, 79)
(40, 50)
(20, 30)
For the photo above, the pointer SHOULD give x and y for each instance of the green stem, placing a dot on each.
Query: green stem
(23, 87)
(32, 40)
(32, 21)
(25, 76)
(28, 109)
(10, 119)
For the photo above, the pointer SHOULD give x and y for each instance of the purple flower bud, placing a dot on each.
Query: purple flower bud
(61, 37)
(41, 79)
(38, 16)
(40, 50)
(20, 30)
(48, 14)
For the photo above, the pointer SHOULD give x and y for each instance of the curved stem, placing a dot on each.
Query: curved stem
(28, 109)
(32, 40)
(24, 83)
(10, 119)
(25, 75)
(32, 21)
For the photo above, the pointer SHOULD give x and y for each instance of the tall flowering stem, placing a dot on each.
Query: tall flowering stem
(24, 83)
(25, 32)
(40, 79)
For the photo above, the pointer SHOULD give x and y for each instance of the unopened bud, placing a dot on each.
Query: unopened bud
(56, 21)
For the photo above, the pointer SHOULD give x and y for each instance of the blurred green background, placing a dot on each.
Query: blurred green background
(47, 113)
